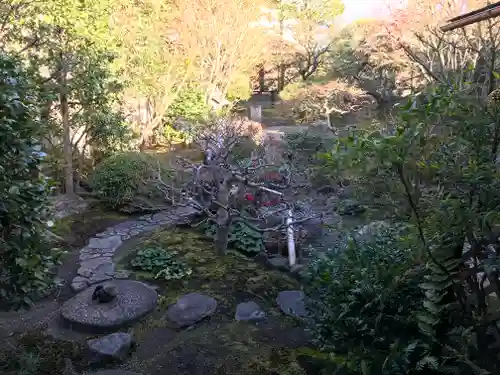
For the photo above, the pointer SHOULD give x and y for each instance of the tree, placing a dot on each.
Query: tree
(460, 56)
(67, 36)
(310, 24)
(365, 55)
(224, 39)
(152, 60)
(25, 257)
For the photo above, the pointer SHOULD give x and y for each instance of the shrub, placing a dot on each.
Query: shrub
(160, 263)
(363, 298)
(241, 237)
(121, 181)
(26, 260)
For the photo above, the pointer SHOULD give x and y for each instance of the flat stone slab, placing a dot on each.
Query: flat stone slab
(191, 308)
(134, 300)
(291, 302)
(249, 311)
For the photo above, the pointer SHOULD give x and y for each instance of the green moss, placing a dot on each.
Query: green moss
(39, 354)
(76, 229)
(220, 345)
(235, 348)
(229, 279)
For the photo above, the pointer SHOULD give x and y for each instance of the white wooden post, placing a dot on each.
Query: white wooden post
(292, 256)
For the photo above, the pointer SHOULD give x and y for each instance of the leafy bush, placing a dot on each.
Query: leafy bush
(160, 263)
(190, 104)
(26, 260)
(121, 181)
(239, 89)
(241, 237)
(363, 299)
(437, 166)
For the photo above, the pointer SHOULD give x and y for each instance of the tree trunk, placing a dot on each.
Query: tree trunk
(64, 108)
(281, 77)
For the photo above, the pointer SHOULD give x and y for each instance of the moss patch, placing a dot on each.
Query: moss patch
(219, 345)
(230, 279)
(78, 228)
(38, 354)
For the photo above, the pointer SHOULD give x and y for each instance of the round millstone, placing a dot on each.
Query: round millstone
(291, 302)
(134, 300)
(191, 308)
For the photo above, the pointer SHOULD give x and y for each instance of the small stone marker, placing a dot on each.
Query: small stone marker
(249, 311)
(256, 113)
(291, 302)
(191, 308)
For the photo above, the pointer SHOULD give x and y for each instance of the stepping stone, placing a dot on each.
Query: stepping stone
(112, 372)
(110, 244)
(114, 346)
(134, 300)
(191, 308)
(291, 302)
(249, 311)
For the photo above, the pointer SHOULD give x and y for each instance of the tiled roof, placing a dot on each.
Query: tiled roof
(485, 13)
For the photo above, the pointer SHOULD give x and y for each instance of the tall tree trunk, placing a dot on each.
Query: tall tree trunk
(281, 68)
(68, 152)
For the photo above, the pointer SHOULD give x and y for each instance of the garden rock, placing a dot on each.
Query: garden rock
(291, 302)
(191, 308)
(370, 230)
(350, 207)
(134, 300)
(115, 346)
(247, 311)
(278, 262)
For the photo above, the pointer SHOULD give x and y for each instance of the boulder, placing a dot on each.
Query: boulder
(115, 346)
(191, 308)
(278, 262)
(249, 311)
(291, 302)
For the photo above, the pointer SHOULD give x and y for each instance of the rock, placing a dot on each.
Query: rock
(88, 267)
(112, 372)
(350, 207)
(134, 300)
(114, 346)
(297, 269)
(249, 311)
(191, 308)
(79, 283)
(278, 262)
(110, 243)
(121, 274)
(102, 273)
(291, 302)
(370, 230)
(313, 228)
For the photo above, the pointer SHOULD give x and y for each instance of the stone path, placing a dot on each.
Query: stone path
(96, 259)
